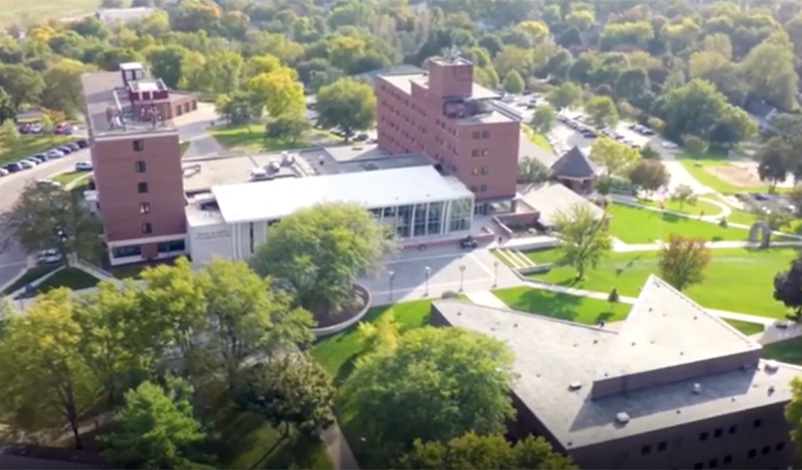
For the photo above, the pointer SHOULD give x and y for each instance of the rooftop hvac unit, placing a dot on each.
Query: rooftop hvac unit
(574, 386)
(622, 417)
(697, 389)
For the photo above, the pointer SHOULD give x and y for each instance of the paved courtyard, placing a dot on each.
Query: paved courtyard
(408, 270)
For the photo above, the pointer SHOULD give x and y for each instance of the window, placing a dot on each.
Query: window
(698, 465)
(139, 145)
(482, 188)
(713, 463)
(140, 166)
(661, 446)
(485, 152)
(142, 188)
(476, 134)
(765, 450)
(171, 246)
(757, 423)
(752, 453)
(727, 460)
(147, 228)
(144, 208)
(475, 153)
(646, 450)
(479, 171)
(718, 432)
(733, 429)
(780, 446)
(703, 436)
(485, 134)
(125, 251)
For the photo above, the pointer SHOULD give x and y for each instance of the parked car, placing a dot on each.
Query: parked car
(670, 145)
(31, 161)
(82, 143)
(468, 243)
(73, 146)
(54, 153)
(13, 167)
(4, 172)
(66, 150)
(25, 165)
(64, 128)
(35, 128)
(39, 158)
(361, 137)
(83, 166)
(51, 256)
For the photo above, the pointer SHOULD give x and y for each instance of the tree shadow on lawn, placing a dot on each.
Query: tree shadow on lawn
(679, 220)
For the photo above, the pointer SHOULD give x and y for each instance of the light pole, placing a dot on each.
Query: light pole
(495, 270)
(461, 276)
(427, 271)
(391, 275)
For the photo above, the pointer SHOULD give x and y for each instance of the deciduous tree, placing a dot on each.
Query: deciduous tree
(62, 87)
(348, 104)
(241, 107)
(320, 252)
(290, 127)
(684, 194)
(614, 156)
(788, 288)
(23, 84)
(585, 238)
(565, 96)
(543, 119)
(513, 83)
(532, 170)
(383, 333)
(280, 93)
(602, 111)
(167, 63)
(649, 175)
(459, 381)
(683, 260)
(774, 161)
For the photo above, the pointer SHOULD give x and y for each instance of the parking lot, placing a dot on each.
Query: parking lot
(448, 270)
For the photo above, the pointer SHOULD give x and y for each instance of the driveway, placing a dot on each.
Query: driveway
(192, 128)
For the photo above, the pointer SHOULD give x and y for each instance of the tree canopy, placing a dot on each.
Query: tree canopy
(586, 240)
(682, 261)
(347, 104)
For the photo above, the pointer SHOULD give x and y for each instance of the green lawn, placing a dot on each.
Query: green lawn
(248, 441)
(71, 278)
(537, 138)
(38, 10)
(789, 351)
(563, 306)
(72, 176)
(29, 276)
(636, 225)
(27, 145)
(745, 327)
(737, 280)
(691, 209)
(251, 137)
(337, 353)
(712, 158)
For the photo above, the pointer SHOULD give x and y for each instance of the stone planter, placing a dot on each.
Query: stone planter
(348, 322)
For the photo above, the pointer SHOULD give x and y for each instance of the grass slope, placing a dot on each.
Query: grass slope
(636, 225)
(562, 306)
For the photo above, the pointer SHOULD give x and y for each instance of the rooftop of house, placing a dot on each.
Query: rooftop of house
(551, 198)
(559, 362)
(108, 110)
(573, 164)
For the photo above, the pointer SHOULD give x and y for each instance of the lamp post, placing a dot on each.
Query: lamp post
(495, 270)
(391, 275)
(427, 271)
(461, 276)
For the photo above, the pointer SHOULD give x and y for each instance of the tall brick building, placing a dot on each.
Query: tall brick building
(455, 122)
(137, 162)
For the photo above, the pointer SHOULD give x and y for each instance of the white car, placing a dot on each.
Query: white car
(670, 145)
(26, 165)
(54, 154)
(50, 256)
(83, 166)
(3, 172)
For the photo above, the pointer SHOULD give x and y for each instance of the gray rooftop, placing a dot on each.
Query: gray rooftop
(108, 111)
(573, 164)
(552, 198)
(552, 354)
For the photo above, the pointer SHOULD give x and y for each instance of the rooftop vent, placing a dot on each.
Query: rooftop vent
(697, 389)
(622, 417)
(574, 386)
(772, 366)
(771, 389)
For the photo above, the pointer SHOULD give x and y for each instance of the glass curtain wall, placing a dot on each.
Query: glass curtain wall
(461, 215)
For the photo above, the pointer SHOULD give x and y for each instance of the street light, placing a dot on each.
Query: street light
(391, 275)
(495, 269)
(461, 276)
(427, 271)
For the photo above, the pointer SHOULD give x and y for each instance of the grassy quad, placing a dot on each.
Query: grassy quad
(636, 225)
(252, 137)
(737, 280)
(693, 210)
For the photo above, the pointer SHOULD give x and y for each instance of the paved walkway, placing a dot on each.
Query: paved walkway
(485, 298)
(338, 449)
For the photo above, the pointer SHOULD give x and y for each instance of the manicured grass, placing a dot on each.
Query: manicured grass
(39, 10)
(696, 166)
(29, 144)
(562, 306)
(29, 276)
(537, 138)
(694, 210)
(248, 441)
(70, 278)
(251, 137)
(544, 256)
(71, 176)
(636, 225)
(789, 351)
(745, 327)
(337, 353)
(737, 280)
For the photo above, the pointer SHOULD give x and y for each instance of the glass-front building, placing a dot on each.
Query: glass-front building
(426, 219)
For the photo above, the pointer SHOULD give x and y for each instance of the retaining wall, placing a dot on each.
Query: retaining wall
(330, 330)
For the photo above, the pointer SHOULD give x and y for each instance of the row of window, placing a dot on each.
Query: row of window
(479, 189)
(703, 436)
(713, 463)
(479, 171)
(480, 135)
(171, 246)
(480, 152)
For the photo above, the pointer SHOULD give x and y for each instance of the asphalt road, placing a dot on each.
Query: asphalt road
(12, 258)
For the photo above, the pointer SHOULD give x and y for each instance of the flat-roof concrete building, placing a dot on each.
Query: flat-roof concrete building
(414, 202)
(675, 387)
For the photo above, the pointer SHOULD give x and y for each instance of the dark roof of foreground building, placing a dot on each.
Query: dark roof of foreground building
(671, 363)
(573, 164)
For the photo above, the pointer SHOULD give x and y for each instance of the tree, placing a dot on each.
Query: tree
(46, 217)
(602, 111)
(241, 107)
(682, 261)
(320, 252)
(167, 63)
(7, 112)
(649, 175)
(248, 317)
(513, 83)
(383, 333)
(788, 287)
(565, 96)
(532, 170)
(780, 86)
(290, 389)
(683, 194)
(543, 119)
(775, 219)
(585, 238)
(793, 412)
(796, 197)
(773, 163)
(348, 104)
(459, 381)
(43, 379)
(484, 452)
(21, 83)
(648, 152)
(62, 87)
(279, 91)
(614, 156)
(290, 127)
(694, 145)
(155, 429)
